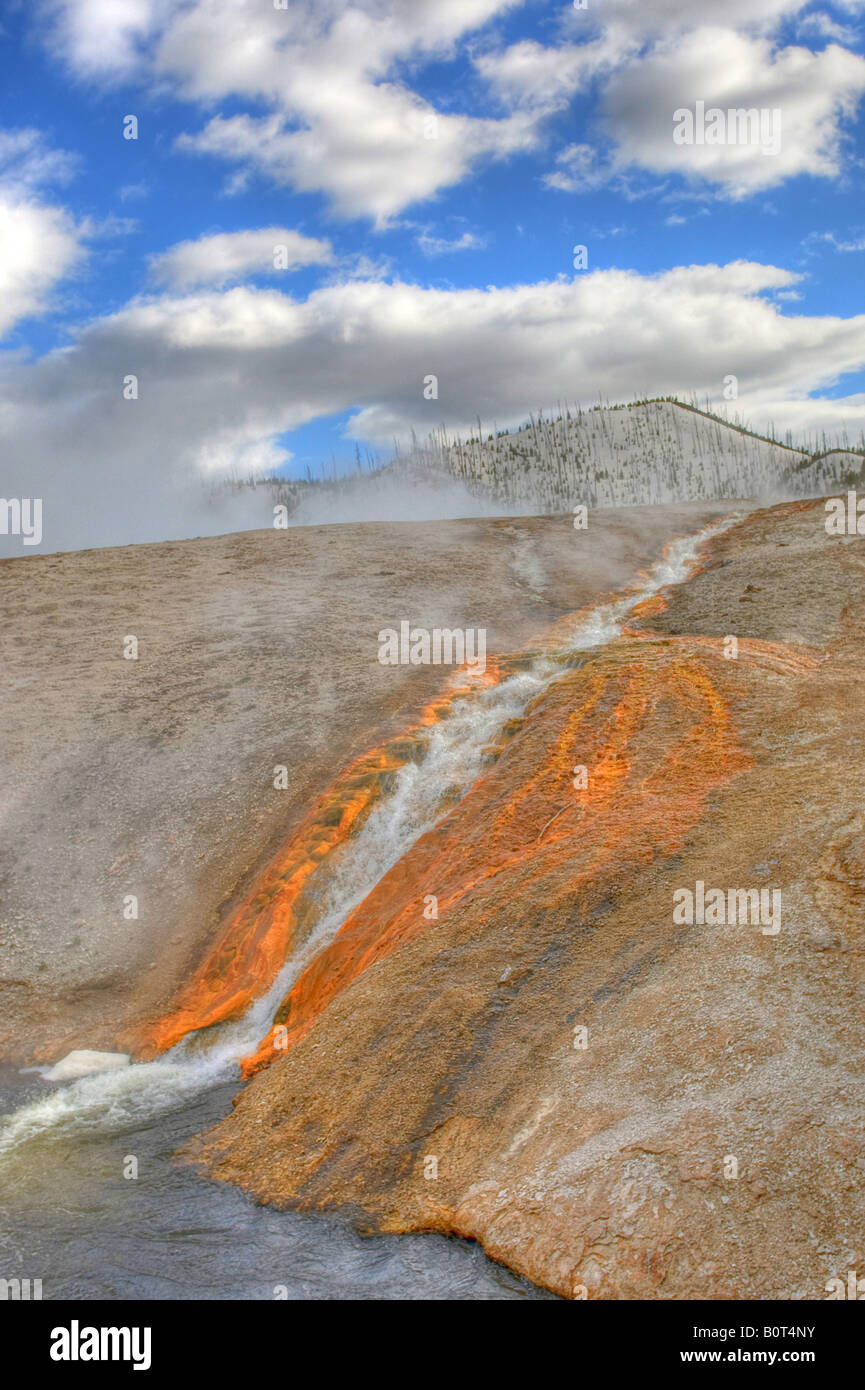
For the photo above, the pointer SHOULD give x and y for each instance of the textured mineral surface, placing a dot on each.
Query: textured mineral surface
(617, 1101)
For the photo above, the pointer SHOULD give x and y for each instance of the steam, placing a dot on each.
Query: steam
(643, 454)
(396, 496)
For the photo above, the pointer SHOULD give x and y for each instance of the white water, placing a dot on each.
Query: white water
(450, 763)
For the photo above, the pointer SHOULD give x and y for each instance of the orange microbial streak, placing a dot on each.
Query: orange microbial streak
(646, 717)
(656, 735)
(261, 932)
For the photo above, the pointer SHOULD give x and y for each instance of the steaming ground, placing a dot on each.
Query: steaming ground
(155, 777)
(386, 497)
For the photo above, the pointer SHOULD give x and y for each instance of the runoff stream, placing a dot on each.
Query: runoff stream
(68, 1214)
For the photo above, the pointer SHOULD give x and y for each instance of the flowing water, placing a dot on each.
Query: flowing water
(72, 1218)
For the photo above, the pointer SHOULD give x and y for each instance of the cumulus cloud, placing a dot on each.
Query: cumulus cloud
(812, 92)
(373, 151)
(40, 247)
(41, 241)
(668, 16)
(102, 38)
(649, 60)
(340, 119)
(231, 256)
(223, 376)
(544, 78)
(332, 109)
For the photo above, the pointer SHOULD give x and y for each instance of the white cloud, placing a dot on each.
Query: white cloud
(579, 168)
(369, 150)
(837, 244)
(40, 246)
(340, 119)
(41, 242)
(650, 59)
(341, 123)
(812, 91)
(231, 256)
(662, 16)
(823, 26)
(332, 109)
(28, 164)
(129, 192)
(443, 246)
(601, 38)
(528, 74)
(102, 38)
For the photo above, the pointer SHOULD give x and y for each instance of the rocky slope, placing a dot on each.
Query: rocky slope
(615, 1102)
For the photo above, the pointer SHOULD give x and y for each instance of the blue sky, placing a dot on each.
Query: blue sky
(431, 166)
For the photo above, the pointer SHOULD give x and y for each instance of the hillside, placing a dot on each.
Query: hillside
(652, 452)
